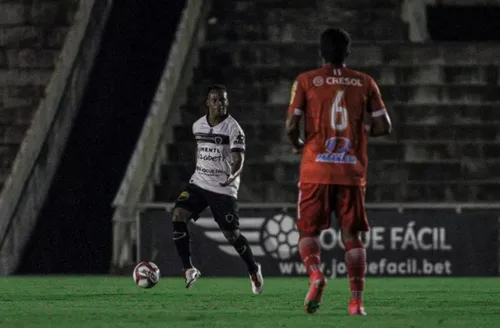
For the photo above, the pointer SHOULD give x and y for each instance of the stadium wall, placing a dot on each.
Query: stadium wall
(37, 160)
(404, 240)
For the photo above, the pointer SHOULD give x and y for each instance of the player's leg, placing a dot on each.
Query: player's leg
(353, 220)
(225, 211)
(188, 205)
(313, 216)
(240, 244)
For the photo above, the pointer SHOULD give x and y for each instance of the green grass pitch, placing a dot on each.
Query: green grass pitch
(228, 302)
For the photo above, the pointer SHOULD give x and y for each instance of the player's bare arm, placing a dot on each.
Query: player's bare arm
(238, 158)
(295, 112)
(293, 132)
(380, 120)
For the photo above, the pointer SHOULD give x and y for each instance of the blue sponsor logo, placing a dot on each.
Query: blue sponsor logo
(336, 152)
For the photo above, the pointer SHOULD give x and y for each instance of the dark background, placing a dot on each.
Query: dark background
(74, 230)
(463, 23)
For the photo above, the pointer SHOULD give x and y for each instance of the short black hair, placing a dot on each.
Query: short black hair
(335, 45)
(217, 87)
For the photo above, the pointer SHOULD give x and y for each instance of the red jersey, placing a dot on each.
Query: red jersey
(334, 101)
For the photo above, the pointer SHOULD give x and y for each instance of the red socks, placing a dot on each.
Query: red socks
(309, 250)
(355, 259)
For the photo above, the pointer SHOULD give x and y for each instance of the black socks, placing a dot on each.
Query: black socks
(182, 240)
(243, 248)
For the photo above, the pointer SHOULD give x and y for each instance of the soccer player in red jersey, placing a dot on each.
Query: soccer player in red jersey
(335, 102)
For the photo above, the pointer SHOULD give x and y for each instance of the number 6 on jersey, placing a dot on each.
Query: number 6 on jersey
(338, 113)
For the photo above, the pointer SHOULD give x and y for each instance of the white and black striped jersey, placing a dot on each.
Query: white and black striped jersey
(213, 155)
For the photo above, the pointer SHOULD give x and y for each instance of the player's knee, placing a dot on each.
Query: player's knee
(231, 236)
(349, 236)
(181, 215)
(351, 239)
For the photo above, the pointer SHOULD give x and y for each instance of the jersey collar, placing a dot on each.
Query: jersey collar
(334, 66)
(213, 126)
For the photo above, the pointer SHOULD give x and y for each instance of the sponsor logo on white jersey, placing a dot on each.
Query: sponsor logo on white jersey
(213, 155)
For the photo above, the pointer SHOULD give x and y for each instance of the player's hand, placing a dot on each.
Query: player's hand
(230, 179)
(297, 149)
(297, 146)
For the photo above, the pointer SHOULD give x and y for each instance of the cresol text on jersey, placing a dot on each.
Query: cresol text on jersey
(330, 80)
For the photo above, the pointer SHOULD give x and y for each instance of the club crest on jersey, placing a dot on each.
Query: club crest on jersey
(218, 140)
(336, 150)
(318, 81)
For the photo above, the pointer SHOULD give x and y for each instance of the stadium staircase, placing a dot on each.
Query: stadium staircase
(442, 98)
(46, 50)
(31, 38)
(119, 91)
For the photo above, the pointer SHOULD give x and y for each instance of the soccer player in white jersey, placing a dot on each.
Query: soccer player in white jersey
(215, 182)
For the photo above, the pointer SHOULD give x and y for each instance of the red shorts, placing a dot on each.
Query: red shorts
(317, 202)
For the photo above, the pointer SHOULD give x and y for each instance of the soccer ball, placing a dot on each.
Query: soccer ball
(280, 237)
(146, 274)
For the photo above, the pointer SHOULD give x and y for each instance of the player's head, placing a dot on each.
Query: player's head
(335, 46)
(217, 100)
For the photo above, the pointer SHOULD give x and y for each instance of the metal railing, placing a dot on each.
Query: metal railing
(147, 156)
(378, 206)
(400, 207)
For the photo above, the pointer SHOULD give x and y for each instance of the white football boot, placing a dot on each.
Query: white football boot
(257, 280)
(191, 275)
